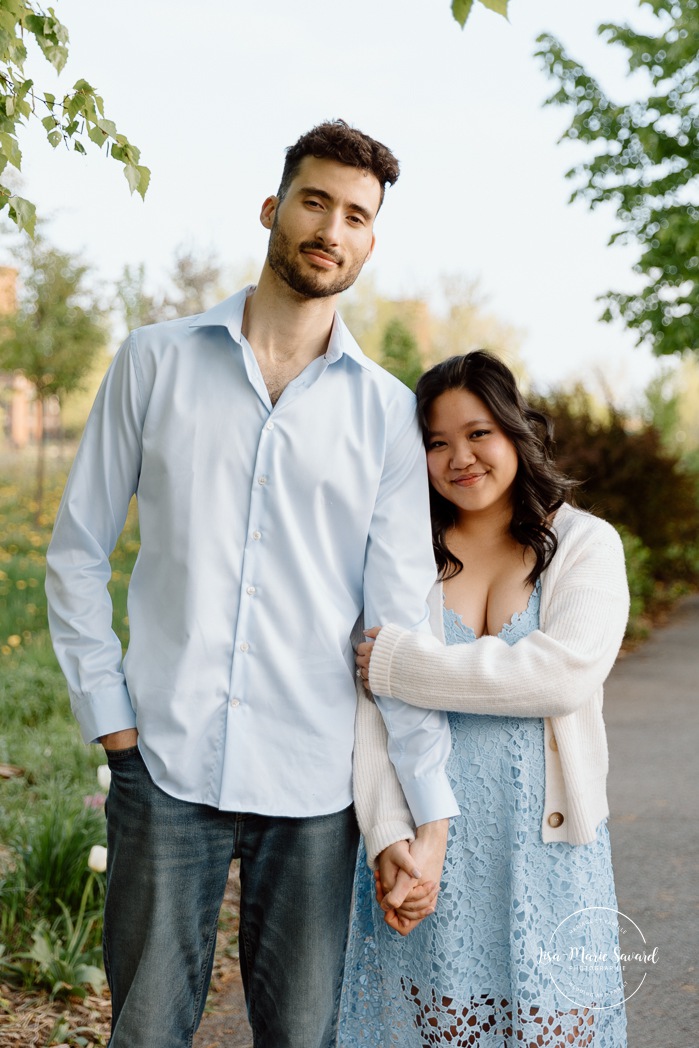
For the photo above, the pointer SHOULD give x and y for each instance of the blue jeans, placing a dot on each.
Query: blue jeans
(167, 866)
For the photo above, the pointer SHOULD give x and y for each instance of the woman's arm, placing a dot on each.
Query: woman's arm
(547, 674)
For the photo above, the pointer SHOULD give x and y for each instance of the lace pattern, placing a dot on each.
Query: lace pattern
(470, 975)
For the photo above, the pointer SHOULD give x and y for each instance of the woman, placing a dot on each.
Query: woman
(532, 605)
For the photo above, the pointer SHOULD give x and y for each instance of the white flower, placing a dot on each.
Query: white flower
(104, 777)
(97, 860)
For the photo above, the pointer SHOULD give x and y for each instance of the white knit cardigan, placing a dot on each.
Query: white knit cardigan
(556, 672)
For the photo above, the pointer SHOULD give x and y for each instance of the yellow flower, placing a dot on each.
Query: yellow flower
(14, 641)
(21, 584)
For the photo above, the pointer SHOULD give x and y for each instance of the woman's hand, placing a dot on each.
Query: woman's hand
(363, 656)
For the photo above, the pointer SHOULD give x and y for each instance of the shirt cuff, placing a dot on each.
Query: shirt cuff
(430, 797)
(103, 713)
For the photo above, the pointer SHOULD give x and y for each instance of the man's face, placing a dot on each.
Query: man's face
(322, 232)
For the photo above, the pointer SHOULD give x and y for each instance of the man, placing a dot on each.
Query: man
(281, 488)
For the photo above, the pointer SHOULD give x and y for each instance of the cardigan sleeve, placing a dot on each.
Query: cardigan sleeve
(380, 805)
(382, 812)
(547, 674)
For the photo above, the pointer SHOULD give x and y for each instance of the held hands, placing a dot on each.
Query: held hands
(363, 656)
(408, 877)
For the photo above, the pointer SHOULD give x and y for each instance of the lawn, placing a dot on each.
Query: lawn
(51, 805)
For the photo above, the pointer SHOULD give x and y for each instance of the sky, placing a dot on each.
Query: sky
(213, 92)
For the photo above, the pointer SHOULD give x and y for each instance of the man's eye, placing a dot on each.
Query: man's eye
(356, 220)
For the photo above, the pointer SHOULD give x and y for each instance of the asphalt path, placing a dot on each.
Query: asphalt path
(652, 715)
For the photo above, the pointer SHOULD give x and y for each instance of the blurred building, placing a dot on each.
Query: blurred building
(22, 419)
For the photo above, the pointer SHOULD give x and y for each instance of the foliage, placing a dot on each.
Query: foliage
(641, 582)
(57, 330)
(400, 353)
(629, 478)
(461, 9)
(75, 120)
(195, 286)
(50, 857)
(644, 159)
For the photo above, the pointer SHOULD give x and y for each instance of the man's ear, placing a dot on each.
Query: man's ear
(268, 211)
(371, 249)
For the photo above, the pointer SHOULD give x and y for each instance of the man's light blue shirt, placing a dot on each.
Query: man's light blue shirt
(264, 532)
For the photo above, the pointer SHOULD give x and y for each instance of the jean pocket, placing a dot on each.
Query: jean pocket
(118, 756)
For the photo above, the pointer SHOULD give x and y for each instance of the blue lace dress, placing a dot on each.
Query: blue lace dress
(482, 970)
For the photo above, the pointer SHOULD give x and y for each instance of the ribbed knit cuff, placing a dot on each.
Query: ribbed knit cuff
(381, 836)
(381, 659)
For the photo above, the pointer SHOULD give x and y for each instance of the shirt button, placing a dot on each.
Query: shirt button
(262, 479)
(245, 646)
(269, 427)
(250, 591)
(555, 819)
(235, 703)
(257, 535)
(552, 743)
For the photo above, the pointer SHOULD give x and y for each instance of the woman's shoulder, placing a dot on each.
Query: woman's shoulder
(578, 525)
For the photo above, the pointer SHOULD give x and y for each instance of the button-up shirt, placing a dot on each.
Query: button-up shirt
(265, 529)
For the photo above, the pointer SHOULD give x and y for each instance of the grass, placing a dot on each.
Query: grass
(50, 903)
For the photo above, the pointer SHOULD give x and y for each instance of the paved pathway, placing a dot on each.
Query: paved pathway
(652, 715)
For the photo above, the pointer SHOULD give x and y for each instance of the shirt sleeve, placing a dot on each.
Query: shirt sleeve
(398, 574)
(545, 674)
(90, 519)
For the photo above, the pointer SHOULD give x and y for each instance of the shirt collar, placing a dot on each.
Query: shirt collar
(229, 314)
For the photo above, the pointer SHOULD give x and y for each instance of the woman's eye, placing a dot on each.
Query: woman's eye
(479, 433)
(434, 445)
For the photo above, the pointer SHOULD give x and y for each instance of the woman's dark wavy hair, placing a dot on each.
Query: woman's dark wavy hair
(539, 487)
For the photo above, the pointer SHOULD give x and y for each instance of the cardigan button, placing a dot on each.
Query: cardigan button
(553, 744)
(555, 819)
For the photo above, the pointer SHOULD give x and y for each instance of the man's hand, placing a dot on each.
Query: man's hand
(407, 885)
(120, 740)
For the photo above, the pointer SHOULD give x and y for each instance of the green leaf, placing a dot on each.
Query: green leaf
(97, 135)
(49, 122)
(79, 147)
(55, 138)
(10, 105)
(10, 149)
(23, 213)
(461, 9)
(500, 6)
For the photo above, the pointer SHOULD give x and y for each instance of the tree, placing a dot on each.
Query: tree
(58, 328)
(195, 286)
(629, 478)
(400, 353)
(645, 162)
(78, 118)
(461, 9)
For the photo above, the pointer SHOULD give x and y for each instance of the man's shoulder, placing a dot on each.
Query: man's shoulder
(376, 374)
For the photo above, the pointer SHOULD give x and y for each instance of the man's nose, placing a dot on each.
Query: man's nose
(329, 227)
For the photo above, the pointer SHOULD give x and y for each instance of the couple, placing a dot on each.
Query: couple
(282, 491)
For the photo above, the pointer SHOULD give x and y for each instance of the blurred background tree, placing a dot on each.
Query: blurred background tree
(644, 161)
(55, 333)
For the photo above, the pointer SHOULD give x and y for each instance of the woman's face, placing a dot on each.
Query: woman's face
(470, 460)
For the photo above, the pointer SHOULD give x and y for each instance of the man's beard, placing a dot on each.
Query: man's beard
(288, 269)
